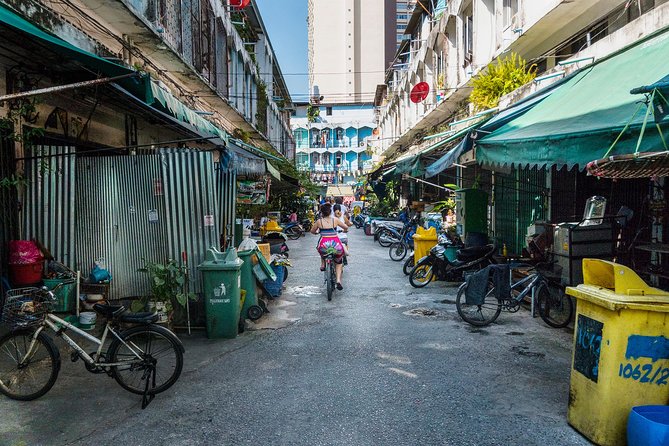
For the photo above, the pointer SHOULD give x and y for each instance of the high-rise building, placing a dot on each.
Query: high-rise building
(351, 44)
(403, 14)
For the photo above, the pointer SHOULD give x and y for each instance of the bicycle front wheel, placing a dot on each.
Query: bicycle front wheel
(27, 374)
(398, 251)
(555, 306)
(481, 314)
(157, 347)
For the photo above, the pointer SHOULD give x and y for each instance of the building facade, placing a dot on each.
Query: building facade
(336, 147)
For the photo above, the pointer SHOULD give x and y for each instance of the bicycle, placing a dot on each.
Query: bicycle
(330, 275)
(30, 361)
(555, 307)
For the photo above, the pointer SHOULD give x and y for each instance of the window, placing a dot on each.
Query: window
(338, 159)
(639, 7)
(468, 38)
(509, 10)
(401, 27)
(402, 17)
(328, 111)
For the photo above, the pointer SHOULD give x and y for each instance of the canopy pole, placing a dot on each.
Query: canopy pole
(623, 131)
(57, 88)
(649, 107)
(428, 183)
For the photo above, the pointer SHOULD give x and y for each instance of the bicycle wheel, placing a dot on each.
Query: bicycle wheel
(398, 251)
(38, 373)
(421, 275)
(408, 265)
(555, 307)
(156, 345)
(478, 315)
(329, 283)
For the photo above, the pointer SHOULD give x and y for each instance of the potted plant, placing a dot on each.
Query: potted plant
(168, 283)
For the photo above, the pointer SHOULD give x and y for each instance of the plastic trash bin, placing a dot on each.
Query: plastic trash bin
(648, 426)
(222, 280)
(64, 294)
(423, 241)
(250, 308)
(621, 354)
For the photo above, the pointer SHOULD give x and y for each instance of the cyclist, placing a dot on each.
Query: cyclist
(340, 232)
(329, 243)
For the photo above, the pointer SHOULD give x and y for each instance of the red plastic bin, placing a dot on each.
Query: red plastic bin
(26, 274)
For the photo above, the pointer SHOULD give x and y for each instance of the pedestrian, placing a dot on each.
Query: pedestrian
(293, 216)
(344, 209)
(343, 236)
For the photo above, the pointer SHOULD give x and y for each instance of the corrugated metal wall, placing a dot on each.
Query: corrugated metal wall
(9, 220)
(226, 197)
(49, 210)
(118, 200)
(191, 207)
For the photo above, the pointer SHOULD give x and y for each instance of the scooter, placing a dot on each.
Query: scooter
(293, 230)
(436, 266)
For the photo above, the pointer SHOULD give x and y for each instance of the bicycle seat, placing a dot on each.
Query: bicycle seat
(121, 314)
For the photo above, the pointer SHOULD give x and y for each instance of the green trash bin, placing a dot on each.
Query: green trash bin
(239, 235)
(221, 277)
(251, 309)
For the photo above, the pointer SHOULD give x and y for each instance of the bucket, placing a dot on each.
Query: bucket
(648, 426)
(87, 320)
(25, 273)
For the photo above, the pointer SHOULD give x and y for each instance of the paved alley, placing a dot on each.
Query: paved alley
(382, 364)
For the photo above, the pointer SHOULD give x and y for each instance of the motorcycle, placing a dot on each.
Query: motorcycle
(293, 230)
(436, 266)
(277, 243)
(306, 224)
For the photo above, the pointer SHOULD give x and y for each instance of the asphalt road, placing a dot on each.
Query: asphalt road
(382, 364)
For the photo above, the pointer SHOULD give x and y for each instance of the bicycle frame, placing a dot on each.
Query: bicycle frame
(51, 321)
(534, 280)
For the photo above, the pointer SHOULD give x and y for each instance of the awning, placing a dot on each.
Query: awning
(582, 117)
(273, 171)
(340, 190)
(20, 32)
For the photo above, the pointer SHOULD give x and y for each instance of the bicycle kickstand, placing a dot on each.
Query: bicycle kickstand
(149, 376)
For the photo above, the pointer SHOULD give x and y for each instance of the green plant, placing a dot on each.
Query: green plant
(313, 112)
(501, 77)
(445, 205)
(263, 103)
(167, 285)
(241, 135)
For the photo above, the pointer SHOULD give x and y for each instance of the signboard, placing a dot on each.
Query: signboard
(251, 192)
(587, 347)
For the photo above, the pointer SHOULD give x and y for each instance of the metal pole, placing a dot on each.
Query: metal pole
(57, 88)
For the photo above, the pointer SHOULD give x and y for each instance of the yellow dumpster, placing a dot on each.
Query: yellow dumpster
(621, 354)
(423, 241)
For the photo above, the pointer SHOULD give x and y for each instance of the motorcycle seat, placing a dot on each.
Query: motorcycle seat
(473, 253)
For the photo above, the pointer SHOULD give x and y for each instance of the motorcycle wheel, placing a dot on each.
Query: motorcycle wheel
(408, 265)
(294, 234)
(398, 251)
(386, 238)
(421, 275)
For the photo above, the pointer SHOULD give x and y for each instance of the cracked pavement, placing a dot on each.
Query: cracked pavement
(382, 364)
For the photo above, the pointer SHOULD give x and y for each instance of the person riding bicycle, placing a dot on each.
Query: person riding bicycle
(329, 243)
(340, 232)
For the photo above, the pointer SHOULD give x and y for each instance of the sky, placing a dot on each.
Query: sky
(286, 24)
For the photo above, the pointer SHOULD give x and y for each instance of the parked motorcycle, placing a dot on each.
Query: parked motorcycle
(306, 224)
(436, 266)
(293, 230)
(408, 264)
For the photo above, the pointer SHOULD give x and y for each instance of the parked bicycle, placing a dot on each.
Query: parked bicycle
(554, 306)
(145, 359)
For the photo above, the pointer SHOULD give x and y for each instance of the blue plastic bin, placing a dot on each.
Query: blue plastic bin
(274, 286)
(648, 426)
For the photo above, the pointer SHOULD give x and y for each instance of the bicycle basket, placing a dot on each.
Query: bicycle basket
(25, 308)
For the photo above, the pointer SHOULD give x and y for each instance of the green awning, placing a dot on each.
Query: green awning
(579, 121)
(69, 52)
(273, 170)
(180, 111)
